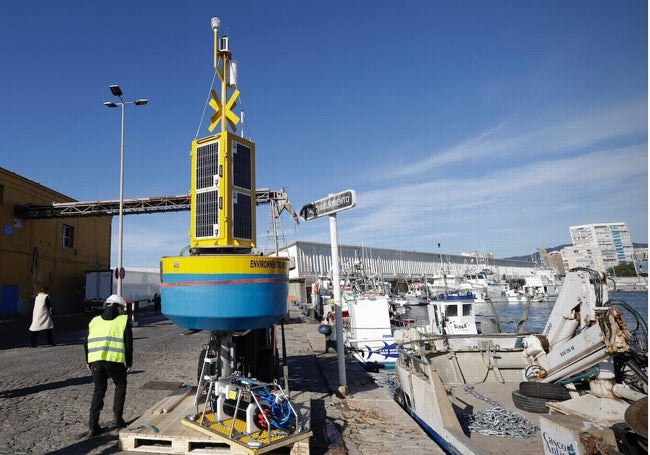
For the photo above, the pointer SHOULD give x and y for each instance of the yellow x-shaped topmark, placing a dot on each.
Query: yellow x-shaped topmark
(215, 104)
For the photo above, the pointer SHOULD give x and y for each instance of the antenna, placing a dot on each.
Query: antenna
(242, 123)
(215, 22)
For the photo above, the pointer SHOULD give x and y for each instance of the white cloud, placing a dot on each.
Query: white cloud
(508, 208)
(501, 144)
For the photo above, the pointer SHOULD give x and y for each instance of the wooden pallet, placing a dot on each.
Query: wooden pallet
(175, 437)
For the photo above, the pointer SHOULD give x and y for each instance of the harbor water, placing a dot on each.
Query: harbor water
(539, 312)
(511, 313)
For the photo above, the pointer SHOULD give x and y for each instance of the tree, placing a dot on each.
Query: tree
(622, 270)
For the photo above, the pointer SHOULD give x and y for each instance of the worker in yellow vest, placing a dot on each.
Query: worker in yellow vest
(109, 354)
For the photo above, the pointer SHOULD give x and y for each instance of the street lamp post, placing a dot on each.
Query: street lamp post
(117, 91)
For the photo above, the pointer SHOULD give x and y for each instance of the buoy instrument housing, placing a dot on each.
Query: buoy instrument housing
(223, 285)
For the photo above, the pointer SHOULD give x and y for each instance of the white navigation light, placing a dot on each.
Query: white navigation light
(215, 22)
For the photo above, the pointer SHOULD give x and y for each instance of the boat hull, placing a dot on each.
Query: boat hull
(380, 353)
(369, 336)
(434, 394)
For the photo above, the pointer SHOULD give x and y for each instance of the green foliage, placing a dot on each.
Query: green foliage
(622, 270)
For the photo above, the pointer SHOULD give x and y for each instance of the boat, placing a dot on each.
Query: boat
(536, 289)
(480, 285)
(375, 326)
(437, 288)
(540, 286)
(444, 285)
(417, 293)
(544, 393)
(356, 282)
(368, 331)
(546, 282)
(450, 316)
(516, 292)
(465, 295)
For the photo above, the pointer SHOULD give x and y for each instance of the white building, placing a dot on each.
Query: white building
(599, 246)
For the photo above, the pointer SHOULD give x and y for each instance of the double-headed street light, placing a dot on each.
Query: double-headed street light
(117, 91)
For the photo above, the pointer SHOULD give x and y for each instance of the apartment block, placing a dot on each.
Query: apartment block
(599, 246)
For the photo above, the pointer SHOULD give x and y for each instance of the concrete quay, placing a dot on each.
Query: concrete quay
(45, 392)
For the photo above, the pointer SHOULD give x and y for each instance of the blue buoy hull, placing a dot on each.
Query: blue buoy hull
(227, 293)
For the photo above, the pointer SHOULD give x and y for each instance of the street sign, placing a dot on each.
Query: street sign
(329, 205)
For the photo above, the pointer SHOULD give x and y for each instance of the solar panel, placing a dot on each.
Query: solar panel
(207, 214)
(242, 216)
(241, 170)
(206, 220)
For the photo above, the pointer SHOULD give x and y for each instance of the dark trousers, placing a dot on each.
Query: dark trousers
(33, 337)
(101, 372)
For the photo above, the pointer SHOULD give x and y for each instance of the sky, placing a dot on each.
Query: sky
(485, 126)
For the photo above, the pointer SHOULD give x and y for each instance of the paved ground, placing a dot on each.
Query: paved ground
(45, 392)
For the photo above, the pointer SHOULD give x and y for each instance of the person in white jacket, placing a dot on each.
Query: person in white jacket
(42, 318)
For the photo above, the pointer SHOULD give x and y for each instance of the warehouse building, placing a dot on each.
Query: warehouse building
(46, 252)
(310, 261)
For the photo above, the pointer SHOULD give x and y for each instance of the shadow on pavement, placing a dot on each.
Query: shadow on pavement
(69, 329)
(106, 443)
(43, 387)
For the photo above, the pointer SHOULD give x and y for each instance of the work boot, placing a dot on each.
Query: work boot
(119, 422)
(94, 430)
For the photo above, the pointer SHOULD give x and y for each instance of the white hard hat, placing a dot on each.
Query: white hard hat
(114, 298)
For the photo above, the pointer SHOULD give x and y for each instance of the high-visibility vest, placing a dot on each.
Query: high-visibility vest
(106, 339)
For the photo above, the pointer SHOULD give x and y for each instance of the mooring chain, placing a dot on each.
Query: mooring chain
(497, 421)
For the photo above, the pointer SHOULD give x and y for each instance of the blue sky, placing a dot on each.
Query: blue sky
(481, 125)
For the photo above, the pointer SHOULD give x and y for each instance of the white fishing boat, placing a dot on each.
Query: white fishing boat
(416, 293)
(546, 282)
(517, 292)
(540, 286)
(480, 286)
(536, 289)
(368, 331)
(440, 286)
(516, 296)
(450, 316)
(374, 327)
(556, 392)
